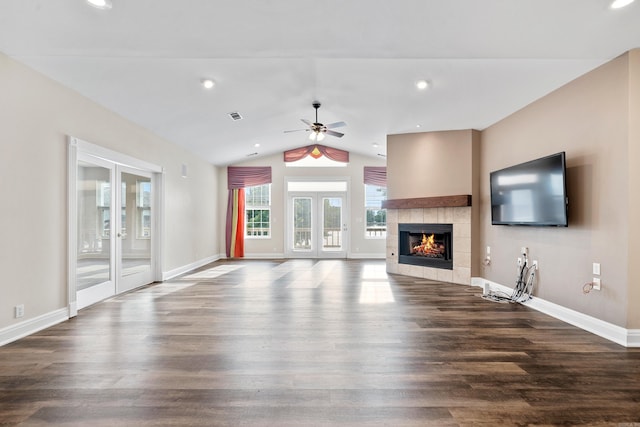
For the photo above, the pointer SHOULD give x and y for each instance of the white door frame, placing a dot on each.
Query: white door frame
(77, 146)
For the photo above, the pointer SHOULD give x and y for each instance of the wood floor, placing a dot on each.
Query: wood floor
(315, 343)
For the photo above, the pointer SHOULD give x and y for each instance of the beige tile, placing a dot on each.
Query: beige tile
(404, 216)
(445, 275)
(461, 244)
(462, 215)
(417, 216)
(462, 276)
(445, 215)
(461, 259)
(392, 267)
(430, 215)
(410, 270)
(461, 230)
(430, 273)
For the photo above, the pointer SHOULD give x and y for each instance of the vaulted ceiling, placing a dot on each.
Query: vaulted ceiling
(145, 59)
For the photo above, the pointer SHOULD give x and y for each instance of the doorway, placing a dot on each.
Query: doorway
(112, 226)
(317, 218)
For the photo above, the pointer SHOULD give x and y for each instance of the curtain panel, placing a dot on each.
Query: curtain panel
(239, 177)
(375, 175)
(302, 152)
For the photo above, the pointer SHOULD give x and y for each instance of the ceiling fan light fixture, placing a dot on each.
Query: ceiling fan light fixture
(617, 4)
(316, 136)
(208, 83)
(101, 4)
(422, 84)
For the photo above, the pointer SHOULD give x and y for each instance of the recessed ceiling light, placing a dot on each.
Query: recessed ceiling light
(208, 83)
(418, 126)
(375, 145)
(256, 145)
(617, 4)
(101, 4)
(422, 84)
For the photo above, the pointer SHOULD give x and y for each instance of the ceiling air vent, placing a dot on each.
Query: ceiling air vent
(235, 116)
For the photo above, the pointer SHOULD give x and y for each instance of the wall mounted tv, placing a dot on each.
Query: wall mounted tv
(532, 193)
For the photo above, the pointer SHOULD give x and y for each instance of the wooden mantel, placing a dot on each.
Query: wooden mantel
(429, 202)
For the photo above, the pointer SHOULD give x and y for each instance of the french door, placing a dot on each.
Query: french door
(114, 229)
(317, 225)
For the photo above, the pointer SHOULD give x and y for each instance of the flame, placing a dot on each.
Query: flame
(428, 246)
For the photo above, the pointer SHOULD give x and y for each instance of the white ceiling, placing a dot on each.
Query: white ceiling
(144, 59)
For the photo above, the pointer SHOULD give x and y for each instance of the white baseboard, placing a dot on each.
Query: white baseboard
(31, 326)
(167, 275)
(364, 255)
(617, 334)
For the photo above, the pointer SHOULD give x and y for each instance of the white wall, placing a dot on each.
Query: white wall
(36, 116)
(358, 246)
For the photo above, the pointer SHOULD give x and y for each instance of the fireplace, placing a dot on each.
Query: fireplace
(426, 245)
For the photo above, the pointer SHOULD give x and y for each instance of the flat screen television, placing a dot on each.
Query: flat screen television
(532, 193)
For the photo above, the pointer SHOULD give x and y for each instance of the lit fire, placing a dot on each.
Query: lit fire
(428, 247)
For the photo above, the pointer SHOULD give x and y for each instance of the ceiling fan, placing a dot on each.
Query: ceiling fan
(317, 129)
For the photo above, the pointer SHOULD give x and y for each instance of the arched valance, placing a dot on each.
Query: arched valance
(316, 151)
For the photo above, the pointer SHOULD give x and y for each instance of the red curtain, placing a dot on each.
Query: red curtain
(331, 153)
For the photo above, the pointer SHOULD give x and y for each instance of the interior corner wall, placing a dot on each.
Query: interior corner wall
(633, 300)
(587, 118)
(36, 116)
(359, 246)
(429, 164)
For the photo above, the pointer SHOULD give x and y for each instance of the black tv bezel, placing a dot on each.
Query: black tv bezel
(563, 158)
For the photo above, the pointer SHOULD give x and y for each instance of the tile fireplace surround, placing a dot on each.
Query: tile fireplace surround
(459, 216)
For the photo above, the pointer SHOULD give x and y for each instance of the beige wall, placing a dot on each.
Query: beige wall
(430, 164)
(589, 119)
(358, 246)
(36, 116)
(633, 300)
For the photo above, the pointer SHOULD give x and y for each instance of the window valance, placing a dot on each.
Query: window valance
(247, 176)
(375, 175)
(316, 151)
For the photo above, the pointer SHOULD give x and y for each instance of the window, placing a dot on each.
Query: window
(376, 222)
(258, 211)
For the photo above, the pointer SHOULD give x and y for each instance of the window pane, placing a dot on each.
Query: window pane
(376, 217)
(257, 211)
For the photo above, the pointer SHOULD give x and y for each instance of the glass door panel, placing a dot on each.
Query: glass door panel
(135, 230)
(332, 224)
(94, 256)
(302, 224)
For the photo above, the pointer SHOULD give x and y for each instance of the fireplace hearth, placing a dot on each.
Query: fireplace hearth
(426, 245)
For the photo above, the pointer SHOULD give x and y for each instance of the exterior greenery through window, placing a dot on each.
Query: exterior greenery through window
(258, 211)
(376, 226)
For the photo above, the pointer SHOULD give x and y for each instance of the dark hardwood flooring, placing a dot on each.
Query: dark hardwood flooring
(314, 343)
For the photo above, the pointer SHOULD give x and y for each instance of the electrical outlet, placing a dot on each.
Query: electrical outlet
(524, 251)
(596, 283)
(488, 250)
(19, 311)
(596, 268)
(519, 261)
(535, 264)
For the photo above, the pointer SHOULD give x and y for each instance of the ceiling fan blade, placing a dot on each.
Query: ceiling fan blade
(306, 122)
(336, 125)
(334, 133)
(296, 130)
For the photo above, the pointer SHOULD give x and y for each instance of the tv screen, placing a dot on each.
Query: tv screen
(531, 193)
